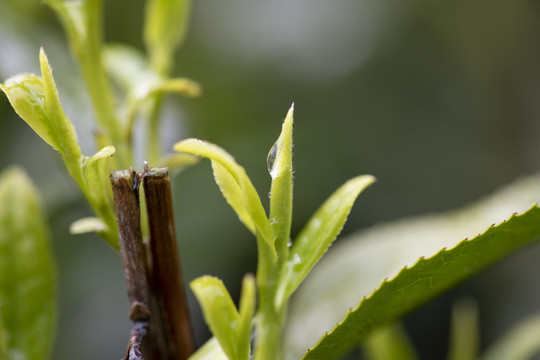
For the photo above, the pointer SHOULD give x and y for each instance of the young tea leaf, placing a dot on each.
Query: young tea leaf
(427, 278)
(246, 312)
(26, 95)
(319, 233)
(281, 194)
(61, 127)
(219, 312)
(235, 187)
(27, 274)
(36, 102)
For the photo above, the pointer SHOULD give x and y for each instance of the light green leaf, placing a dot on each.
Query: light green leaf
(99, 193)
(238, 189)
(233, 194)
(27, 274)
(429, 277)
(26, 95)
(130, 69)
(61, 127)
(522, 342)
(219, 312)
(280, 166)
(95, 172)
(36, 102)
(165, 27)
(246, 312)
(211, 350)
(319, 233)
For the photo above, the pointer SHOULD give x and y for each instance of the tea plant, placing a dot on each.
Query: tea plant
(284, 261)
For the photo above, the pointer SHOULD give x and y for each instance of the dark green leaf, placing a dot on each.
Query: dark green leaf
(427, 278)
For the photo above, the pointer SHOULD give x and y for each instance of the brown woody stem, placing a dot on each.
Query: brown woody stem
(126, 200)
(167, 284)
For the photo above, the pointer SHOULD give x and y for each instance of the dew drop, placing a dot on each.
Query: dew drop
(271, 159)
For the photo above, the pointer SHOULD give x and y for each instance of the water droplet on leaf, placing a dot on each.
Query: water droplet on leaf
(271, 159)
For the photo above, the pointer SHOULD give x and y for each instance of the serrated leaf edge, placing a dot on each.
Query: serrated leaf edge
(406, 268)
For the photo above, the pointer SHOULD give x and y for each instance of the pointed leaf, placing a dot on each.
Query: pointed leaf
(219, 312)
(27, 274)
(246, 312)
(36, 102)
(232, 173)
(319, 233)
(427, 278)
(61, 127)
(281, 170)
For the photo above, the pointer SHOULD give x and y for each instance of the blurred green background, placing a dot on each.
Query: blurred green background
(439, 100)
